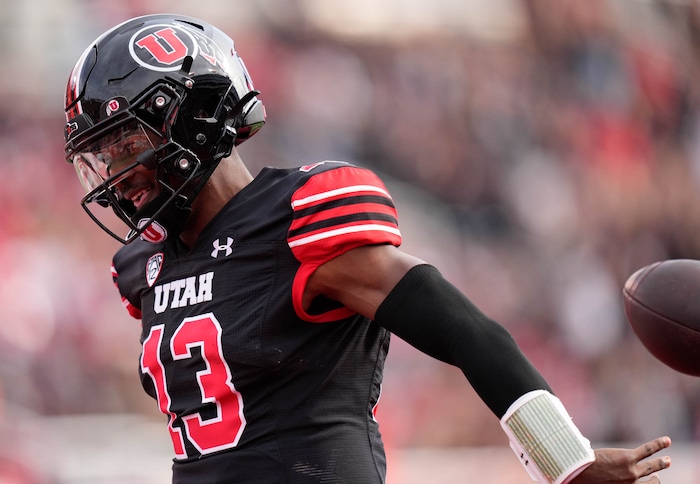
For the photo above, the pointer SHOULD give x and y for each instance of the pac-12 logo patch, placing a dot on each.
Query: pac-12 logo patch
(153, 267)
(163, 47)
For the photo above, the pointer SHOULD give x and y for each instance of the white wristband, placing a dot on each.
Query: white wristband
(545, 439)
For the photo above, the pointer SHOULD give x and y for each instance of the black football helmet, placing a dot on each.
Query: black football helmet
(163, 94)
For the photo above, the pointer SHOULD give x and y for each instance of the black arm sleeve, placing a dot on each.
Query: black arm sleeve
(432, 315)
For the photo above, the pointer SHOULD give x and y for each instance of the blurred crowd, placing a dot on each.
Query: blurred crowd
(538, 164)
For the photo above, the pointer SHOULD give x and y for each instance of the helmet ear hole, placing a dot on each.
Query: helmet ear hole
(211, 107)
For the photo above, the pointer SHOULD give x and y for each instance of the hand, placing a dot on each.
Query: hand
(626, 465)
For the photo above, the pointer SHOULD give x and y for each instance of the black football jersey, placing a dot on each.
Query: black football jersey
(255, 389)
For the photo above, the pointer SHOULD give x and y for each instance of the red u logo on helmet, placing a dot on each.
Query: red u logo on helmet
(164, 45)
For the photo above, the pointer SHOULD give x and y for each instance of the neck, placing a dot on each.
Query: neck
(229, 178)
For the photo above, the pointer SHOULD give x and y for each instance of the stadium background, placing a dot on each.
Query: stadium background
(539, 152)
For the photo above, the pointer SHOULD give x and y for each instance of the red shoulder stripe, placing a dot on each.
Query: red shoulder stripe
(342, 208)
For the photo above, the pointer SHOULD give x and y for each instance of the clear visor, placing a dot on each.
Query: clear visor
(110, 157)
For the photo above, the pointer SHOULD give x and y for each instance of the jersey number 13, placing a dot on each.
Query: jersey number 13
(214, 382)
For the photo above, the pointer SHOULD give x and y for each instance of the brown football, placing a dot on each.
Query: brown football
(662, 305)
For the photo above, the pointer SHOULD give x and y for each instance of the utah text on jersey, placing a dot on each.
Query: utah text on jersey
(183, 292)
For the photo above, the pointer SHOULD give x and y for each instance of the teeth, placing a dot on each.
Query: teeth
(137, 196)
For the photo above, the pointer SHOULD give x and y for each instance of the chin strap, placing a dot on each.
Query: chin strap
(156, 225)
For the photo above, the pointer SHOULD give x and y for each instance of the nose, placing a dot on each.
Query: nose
(128, 179)
(124, 184)
(147, 159)
(136, 178)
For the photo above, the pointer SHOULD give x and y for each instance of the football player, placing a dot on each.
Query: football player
(267, 302)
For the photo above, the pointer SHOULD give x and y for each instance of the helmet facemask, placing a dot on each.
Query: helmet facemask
(131, 160)
(146, 179)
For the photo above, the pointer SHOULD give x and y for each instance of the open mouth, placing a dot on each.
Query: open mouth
(139, 196)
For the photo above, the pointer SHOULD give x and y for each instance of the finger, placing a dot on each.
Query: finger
(652, 447)
(648, 467)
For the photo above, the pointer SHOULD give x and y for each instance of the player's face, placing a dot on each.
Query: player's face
(113, 159)
(139, 186)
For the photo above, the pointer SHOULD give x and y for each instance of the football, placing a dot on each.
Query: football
(662, 305)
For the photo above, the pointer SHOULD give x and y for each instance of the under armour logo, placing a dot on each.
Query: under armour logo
(218, 247)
